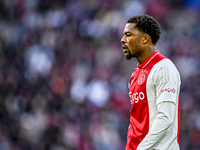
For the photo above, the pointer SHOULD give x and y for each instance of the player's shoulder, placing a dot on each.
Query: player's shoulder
(166, 69)
(165, 64)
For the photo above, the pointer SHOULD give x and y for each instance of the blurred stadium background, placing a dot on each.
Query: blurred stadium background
(63, 75)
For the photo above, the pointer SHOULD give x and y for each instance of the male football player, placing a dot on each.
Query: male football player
(154, 88)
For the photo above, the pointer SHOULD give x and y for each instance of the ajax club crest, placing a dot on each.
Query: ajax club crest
(141, 79)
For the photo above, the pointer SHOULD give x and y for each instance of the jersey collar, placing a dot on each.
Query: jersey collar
(146, 62)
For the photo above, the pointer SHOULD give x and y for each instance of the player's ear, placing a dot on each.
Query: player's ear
(145, 39)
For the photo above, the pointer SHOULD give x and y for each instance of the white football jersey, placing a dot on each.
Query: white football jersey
(154, 90)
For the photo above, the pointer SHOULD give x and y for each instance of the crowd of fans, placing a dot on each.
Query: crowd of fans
(63, 74)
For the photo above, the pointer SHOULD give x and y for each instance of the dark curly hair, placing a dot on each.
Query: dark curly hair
(147, 24)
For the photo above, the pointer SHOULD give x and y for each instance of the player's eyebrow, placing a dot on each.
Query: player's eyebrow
(125, 32)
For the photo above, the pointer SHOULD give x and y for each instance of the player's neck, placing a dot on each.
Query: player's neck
(146, 54)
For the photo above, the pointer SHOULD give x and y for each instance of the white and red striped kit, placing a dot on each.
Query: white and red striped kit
(154, 89)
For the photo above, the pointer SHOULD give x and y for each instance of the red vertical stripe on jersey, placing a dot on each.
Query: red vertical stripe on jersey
(178, 134)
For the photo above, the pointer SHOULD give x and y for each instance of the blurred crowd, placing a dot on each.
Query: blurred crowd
(64, 77)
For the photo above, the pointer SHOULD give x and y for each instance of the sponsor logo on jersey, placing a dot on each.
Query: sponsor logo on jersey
(141, 79)
(167, 90)
(136, 97)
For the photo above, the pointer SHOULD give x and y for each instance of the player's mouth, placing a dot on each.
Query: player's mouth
(125, 48)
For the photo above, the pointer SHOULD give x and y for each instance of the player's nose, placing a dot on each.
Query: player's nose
(123, 39)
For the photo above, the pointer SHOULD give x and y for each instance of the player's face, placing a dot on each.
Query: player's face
(132, 41)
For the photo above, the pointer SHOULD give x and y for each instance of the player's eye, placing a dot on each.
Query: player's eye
(128, 34)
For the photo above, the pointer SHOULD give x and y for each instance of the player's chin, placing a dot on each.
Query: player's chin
(128, 56)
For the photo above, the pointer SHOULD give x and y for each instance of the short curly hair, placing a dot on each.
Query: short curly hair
(147, 24)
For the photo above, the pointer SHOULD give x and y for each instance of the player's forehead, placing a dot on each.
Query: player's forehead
(130, 27)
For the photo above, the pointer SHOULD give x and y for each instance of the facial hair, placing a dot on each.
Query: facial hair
(129, 56)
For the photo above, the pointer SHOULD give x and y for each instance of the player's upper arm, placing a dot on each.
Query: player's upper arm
(166, 80)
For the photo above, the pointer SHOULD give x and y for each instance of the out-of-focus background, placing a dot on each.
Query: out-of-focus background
(63, 73)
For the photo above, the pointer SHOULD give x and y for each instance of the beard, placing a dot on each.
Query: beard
(129, 56)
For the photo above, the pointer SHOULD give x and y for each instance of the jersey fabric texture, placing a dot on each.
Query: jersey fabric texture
(154, 85)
